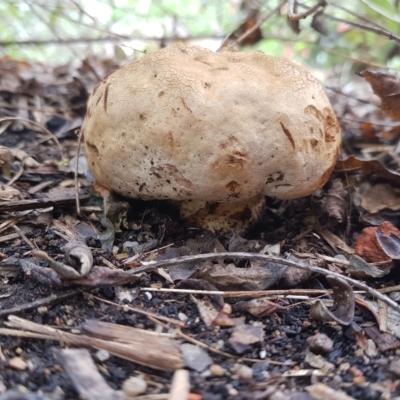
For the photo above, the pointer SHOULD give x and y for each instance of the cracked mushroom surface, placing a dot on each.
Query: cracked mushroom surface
(215, 131)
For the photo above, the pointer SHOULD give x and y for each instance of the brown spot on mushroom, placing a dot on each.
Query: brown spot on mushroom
(187, 108)
(142, 117)
(288, 135)
(178, 177)
(314, 143)
(232, 186)
(99, 98)
(105, 98)
(329, 122)
(142, 185)
(161, 94)
(171, 141)
(92, 147)
(237, 159)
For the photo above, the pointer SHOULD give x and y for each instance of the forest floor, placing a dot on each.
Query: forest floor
(221, 328)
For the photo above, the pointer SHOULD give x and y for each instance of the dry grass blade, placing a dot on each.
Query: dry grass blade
(165, 357)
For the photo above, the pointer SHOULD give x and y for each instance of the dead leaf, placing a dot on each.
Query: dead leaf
(8, 193)
(343, 307)
(260, 307)
(244, 336)
(376, 247)
(380, 196)
(320, 391)
(78, 255)
(369, 168)
(335, 202)
(228, 277)
(387, 87)
(361, 269)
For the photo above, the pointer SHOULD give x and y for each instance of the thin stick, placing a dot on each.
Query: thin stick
(39, 303)
(25, 239)
(78, 204)
(293, 16)
(152, 265)
(139, 311)
(378, 31)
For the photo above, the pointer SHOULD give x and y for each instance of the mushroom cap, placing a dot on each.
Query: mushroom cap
(188, 123)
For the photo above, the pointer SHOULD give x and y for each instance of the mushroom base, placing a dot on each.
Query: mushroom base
(224, 218)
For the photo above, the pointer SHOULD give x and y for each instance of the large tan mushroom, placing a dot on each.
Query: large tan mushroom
(215, 131)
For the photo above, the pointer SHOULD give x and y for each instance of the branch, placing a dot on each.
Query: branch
(293, 16)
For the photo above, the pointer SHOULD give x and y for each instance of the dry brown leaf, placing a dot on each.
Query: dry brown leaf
(380, 196)
(387, 87)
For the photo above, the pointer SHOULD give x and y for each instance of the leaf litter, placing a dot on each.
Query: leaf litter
(242, 323)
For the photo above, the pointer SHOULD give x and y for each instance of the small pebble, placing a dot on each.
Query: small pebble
(17, 363)
(320, 343)
(182, 317)
(263, 354)
(217, 370)
(227, 309)
(394, 367)
(134, 386)
(148, 295)
(371, 349)
(231, 390)
(245, 373)
(102, 355)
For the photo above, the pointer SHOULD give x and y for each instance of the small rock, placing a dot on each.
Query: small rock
(17, 363)
(371, 349)
(227, 309)
(358, 376)
(182, 317)
(279, 395)
(134, 386)
(320, 343)
(394, 367)
(102, 355)
(217, 370)
(245, 373)
(317, 361)
(195, 357)
(343, 368)
(231, 390)
(223, 320)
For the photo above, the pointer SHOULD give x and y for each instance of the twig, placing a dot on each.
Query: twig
(139, 311)
(180, 385)
(247, 294)
(21, 205)
(378, 31)
(25, 239)
(39, 303)
(293, 16)
(152, 265)
(78, 204)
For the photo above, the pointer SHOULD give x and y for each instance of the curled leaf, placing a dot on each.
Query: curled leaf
(342, 311)
(77, 254)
